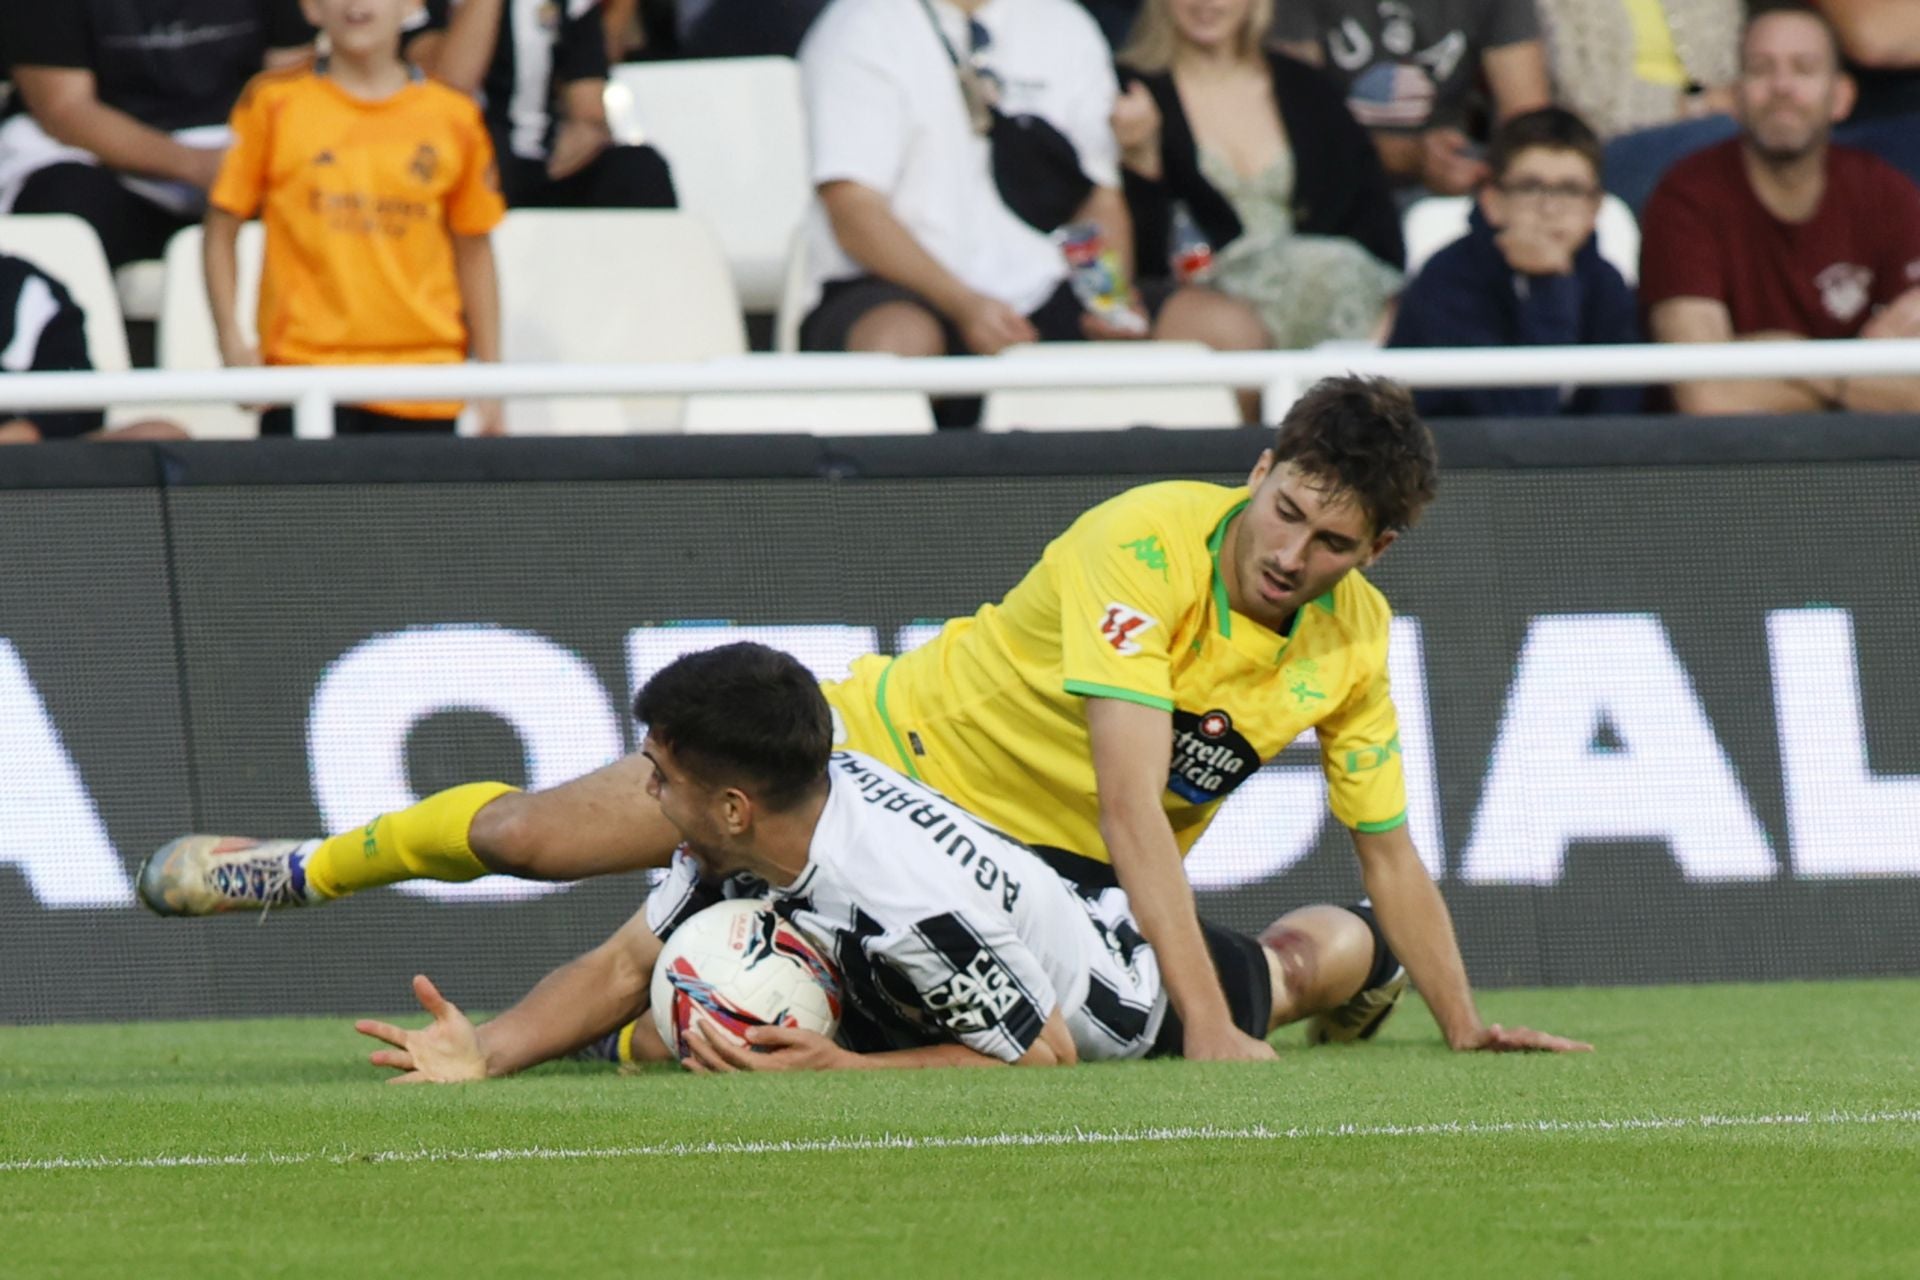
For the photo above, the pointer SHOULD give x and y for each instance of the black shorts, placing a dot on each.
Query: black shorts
(843, 302)
(1240, 961)
(352, 420)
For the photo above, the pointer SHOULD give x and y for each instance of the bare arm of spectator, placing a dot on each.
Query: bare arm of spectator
(1707, 320)
(1877, 33)
(1898, 319)
(480, 296)
(221, 257)
(66, 102)
(458, 55)
(625, 33)
(1517, 74)
(583, 133)
(1441, 159)
(580, 71)
(864, 225)
(1307, 51)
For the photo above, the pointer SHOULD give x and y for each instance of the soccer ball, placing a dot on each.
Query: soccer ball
(737, 965)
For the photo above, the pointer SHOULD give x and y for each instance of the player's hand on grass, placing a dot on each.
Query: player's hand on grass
(773, 1049)
(1224, 1043)
(1499, 1039)
(444, 1051)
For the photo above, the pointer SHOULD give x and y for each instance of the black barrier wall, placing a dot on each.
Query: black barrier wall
(1659, 719)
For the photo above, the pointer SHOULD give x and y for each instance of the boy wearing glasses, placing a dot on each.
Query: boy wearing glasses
(1527, 273)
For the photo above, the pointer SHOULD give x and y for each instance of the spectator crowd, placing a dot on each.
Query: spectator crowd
(991, 173)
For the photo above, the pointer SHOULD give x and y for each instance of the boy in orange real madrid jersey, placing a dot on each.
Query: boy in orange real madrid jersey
(1166, 644)
(378, 190)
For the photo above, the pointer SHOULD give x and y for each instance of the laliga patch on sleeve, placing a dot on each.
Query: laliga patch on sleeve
(1122, 624)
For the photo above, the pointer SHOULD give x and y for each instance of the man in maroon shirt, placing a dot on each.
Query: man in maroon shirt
(1778, 234)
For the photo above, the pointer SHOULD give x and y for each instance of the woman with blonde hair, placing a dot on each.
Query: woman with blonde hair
(1254, 154)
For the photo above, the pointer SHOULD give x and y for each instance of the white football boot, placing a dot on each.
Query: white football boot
(202, 875)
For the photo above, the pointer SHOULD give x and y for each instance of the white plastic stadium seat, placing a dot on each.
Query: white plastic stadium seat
(66, 248)
(611, 286)
(734, 132)
(185, 338)
(1432, 224)
(142, 287)
(786, 320)
(576, 286)
(1619, 233)
(1095, 409)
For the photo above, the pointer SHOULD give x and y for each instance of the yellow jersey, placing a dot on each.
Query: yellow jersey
(361, 201)
(1129, 603)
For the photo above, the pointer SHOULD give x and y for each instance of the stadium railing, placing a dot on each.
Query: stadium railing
(1278, 375)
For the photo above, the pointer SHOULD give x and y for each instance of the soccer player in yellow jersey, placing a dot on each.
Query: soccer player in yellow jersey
(1166, 644)
(378, 190)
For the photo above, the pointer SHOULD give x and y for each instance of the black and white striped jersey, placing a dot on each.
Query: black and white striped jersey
(944, 929)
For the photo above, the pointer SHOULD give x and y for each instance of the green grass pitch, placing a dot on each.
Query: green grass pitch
(1719, 1131)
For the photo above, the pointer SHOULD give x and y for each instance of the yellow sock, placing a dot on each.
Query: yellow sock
(623, 1044)
(426, 841)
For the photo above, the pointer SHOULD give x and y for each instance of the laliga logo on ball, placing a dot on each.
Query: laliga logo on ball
(738, 965)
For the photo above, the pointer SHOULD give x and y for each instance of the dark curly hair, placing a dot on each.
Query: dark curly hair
(1362, 435)
(742, 713)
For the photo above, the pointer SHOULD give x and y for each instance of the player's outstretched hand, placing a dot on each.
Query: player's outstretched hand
(774, 1049)
(1499, 1039)
(444, 1051)
(1227, 1043)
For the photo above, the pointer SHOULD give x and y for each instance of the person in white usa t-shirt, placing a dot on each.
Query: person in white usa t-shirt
(956, 945)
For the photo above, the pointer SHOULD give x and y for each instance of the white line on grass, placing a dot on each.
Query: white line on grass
(909, 1142)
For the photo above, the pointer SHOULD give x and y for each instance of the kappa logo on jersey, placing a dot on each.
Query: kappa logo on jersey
(976, 998)
(1121, 624)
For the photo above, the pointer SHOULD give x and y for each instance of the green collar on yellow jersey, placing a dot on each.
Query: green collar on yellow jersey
(1222, 608)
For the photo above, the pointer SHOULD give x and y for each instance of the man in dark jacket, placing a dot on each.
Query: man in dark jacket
(1528, 273)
